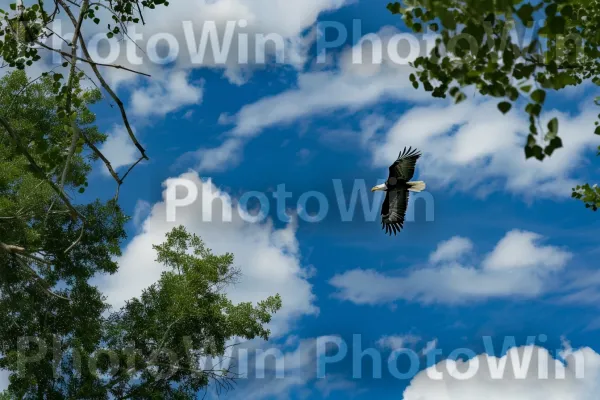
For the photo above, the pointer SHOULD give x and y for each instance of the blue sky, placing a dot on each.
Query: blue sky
(506, 254)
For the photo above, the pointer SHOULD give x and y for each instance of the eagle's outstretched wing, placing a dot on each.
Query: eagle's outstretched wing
(404, 167)
(393, 210)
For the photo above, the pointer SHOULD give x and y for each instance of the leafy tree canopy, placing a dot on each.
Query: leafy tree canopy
(58, 336)
(476, 49)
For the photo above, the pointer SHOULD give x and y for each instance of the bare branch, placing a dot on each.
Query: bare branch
(90, 61)
(104, 84)
(125, 175)
(41, 281)
(13, 249)
(78, 238)
(102, 157)
(75, 137)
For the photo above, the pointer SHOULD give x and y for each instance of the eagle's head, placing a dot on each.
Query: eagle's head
(383, 187)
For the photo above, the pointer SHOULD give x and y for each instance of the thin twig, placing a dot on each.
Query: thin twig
(40, 280)
(102, 157)
(90, 61)
(105, 85)
(75, 137)
(76, 240)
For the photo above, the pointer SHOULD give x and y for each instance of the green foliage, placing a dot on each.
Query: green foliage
(22, 28)
(58, 336)
(590, 195)
(476, 49)
(33, 220)
(47, 258)
(181, 318)
(44, 135)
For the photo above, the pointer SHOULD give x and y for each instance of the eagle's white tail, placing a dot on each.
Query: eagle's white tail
(416, 186)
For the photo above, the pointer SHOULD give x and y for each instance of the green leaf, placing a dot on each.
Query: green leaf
(553, 126)
(13, 6)
(504, 106)
(538, 152)
(597, 131)
(567, 11)
(447, 19)
(551, 9)
(557, 25)
(394, 8)
(526, 88)
(538, 96)
(525, 13)
(554, 144)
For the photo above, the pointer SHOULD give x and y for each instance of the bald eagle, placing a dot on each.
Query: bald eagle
(397, 187)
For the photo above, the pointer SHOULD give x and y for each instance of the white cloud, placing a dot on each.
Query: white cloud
(299, 368)
(395, 342)
(268, 258)
(452, 282)
(141, 211)
(182, 26)
(473, 147)
(216, 159)
(518, 249)
(432, 344)
(160, 99)
(451, 249)
(469, 147)
(354, 86)
(337, 383)
(118, 149)
(484, 382)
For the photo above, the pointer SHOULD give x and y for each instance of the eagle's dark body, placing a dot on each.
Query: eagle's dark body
(397, 188)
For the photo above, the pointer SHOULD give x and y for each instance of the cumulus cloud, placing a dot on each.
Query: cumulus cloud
(160, 99)
(118, 149)
(366, 74)
(518, 249)
(451, 249)
(450, 281)
(469, 147)
(215, 159)
(394, 342)
(235, 36)
(269, 258)
(431, 345)
(280, 370)
(525, 373)
(473, 147)
(140, 212)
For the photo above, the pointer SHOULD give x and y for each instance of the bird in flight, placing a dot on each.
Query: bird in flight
(397, 187)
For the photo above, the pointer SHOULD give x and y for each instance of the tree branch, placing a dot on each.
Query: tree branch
(90, 61)
(75, 137)
(40, 280)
